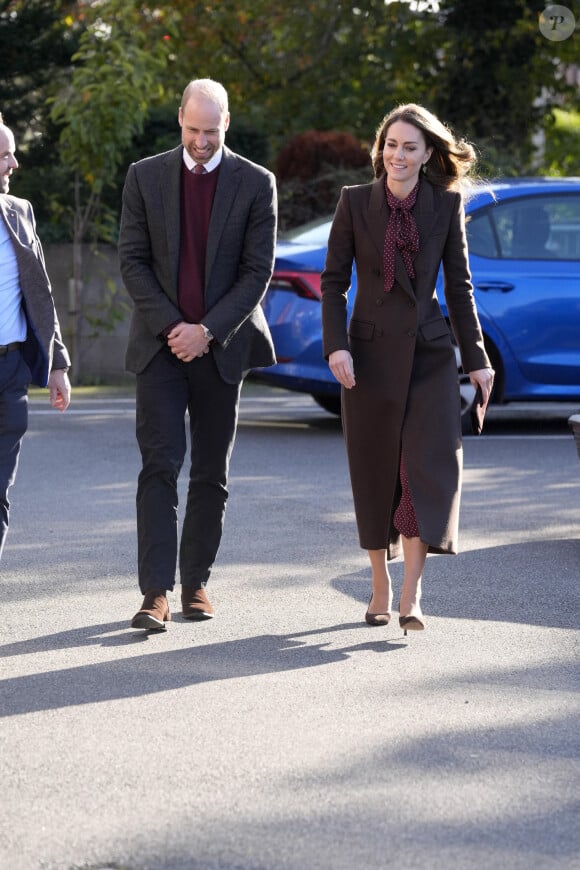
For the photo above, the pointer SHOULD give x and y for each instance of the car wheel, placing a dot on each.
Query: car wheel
(329, 403)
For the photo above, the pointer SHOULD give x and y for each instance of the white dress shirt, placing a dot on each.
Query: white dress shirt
(209, 166)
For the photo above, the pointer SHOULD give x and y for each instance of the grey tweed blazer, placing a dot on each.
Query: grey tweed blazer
(239, 262)
(44, 349)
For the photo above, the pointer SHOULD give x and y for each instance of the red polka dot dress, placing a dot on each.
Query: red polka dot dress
(405, 519)
(402, 234)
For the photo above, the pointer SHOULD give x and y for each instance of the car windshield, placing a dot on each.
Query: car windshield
(313, 233)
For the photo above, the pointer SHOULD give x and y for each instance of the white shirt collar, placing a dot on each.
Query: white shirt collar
(209, 166)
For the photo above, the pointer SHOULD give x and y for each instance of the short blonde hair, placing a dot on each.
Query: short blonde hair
(209, 89)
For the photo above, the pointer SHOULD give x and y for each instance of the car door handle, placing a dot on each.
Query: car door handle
(502, 286)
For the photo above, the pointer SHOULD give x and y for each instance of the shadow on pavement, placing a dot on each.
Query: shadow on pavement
(162, 671)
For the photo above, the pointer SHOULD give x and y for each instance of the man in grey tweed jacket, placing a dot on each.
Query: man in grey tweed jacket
(196, 249)
(31, 347)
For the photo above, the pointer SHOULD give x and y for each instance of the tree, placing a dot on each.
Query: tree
(329, 65)
(497, 79)
(115, 80)
(37, 42)
(290, 67)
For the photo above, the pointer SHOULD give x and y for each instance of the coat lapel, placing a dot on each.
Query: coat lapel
(171, 196)
(378, 215)
(24, 241)
(425, 212)
(10, 216)
(228, 183)
(225, 194)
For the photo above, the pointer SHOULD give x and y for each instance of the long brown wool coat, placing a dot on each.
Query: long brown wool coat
(406, 395)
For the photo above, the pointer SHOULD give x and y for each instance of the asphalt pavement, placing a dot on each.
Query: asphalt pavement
(286, 734)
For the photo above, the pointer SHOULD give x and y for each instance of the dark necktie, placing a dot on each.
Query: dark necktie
(198, 169)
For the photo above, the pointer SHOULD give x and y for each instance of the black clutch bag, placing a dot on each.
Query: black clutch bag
(477, 412)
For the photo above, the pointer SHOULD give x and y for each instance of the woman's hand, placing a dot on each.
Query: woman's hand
(340, 362)
(484, 379)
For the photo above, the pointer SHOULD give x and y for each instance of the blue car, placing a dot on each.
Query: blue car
(524, 253)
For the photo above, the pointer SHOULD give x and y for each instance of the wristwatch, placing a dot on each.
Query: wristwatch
(206, 332)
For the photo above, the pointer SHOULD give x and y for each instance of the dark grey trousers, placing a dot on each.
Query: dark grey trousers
(166, 391)
(14, 381)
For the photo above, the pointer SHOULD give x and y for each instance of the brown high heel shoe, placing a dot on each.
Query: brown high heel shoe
(411, 623)
(377, 618)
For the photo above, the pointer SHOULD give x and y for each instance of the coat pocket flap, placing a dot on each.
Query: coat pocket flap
(362, 329)
(434, 329)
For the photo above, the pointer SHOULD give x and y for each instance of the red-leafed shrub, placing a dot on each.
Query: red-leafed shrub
(312, 168)
(309, 154)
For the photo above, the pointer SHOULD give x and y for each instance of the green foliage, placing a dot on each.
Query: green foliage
(37, 41)
(249, 141)
(115, 79)
(562, 145)
(36, 44)
(331, 65)
(289, 67)
(89, 86)
(495, 80)
(116, 75)
(112, 310)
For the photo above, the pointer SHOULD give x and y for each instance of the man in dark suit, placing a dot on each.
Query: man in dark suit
(31, 348)
(196, 250)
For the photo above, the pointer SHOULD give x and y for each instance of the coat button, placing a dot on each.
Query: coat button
(376, 272)
(411, 333)
(380, 301)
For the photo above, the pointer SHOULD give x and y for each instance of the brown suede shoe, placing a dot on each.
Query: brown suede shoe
(154, 613)
(195, 604)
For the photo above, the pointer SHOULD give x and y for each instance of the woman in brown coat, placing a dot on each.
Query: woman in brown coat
(396, 362)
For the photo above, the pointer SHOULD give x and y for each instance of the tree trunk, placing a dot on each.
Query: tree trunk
(75, 294)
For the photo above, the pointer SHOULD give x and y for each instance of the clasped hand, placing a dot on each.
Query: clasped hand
(187, 341)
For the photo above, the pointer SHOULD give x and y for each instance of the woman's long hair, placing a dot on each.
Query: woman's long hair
(451, 159)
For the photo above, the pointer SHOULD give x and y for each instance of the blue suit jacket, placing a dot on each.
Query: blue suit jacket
(43, 349)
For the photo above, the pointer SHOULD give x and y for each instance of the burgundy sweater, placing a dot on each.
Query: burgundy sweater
(197, 194)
